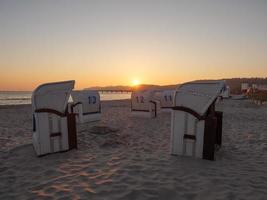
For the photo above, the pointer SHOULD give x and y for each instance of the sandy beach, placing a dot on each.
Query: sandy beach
(130, 159)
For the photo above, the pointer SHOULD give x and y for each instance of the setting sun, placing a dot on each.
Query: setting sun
(135, 82)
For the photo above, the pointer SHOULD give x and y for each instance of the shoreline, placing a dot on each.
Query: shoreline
(102, 101)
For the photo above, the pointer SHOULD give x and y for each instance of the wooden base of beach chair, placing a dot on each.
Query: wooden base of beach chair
(196, 137)
(151, 112)
(57, 132)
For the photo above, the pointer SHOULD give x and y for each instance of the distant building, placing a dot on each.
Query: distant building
(254, 86)
(244, 87)
(262, 87)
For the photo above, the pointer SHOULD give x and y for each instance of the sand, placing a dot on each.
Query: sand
(131, 159)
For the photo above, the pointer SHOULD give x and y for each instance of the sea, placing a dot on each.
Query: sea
(19, 98)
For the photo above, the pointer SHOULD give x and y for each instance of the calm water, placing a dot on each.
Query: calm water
(16, 98)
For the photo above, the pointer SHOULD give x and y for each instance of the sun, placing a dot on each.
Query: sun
(135, 82)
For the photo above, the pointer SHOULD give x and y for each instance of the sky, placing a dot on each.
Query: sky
(118, 42)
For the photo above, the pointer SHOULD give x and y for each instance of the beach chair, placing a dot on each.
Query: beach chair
(143, 105)
(196, 128)
(166, 100)
(54, 128)
(87, 105)
(226, 93)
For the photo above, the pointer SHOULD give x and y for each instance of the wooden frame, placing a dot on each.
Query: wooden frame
(71, 123)
(212, 129)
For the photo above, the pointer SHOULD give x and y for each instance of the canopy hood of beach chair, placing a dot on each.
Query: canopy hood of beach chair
(52, 95)
(198, 95)
(82, 95)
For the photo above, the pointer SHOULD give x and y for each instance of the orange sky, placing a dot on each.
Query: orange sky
(114, 42)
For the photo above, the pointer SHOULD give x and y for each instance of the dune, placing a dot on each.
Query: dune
(124, 157)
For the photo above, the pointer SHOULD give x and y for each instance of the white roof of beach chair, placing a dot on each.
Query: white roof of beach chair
(52, 95)
(198, 95)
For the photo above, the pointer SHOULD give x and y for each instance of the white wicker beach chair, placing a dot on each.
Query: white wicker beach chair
(87, 105)
(54, 129)
(196, 128)
(143, 105)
